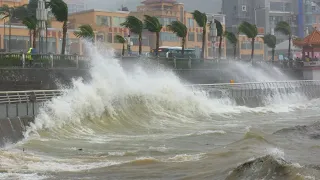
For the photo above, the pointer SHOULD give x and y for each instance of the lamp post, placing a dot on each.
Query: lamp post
(213, 34)
(42, 16)
(129, 44)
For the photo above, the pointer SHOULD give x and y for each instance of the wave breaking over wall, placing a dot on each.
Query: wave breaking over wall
(135, 99)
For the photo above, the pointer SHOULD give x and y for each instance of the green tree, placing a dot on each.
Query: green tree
(7, 12)
(152, 24)
(232, 38)
(135, 25)
(121, 40)
(180, 30)
(284, 28)
(251, 32)
(26, 14)
(219, 34)
(270, 41)
(60, 11)
(85, 31)
(201, 19)
(31, 24)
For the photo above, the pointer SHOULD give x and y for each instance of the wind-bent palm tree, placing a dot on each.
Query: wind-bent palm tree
(180, 30)
(27, 15)
(60, 11)
(232, 38)
(7, 12)
(85, 31)
(250, 31)
(31, 24)
(201, 19)
(219, 34)
(121, 40)
(285, 29)
(153, 25)
(135, 26)
(271, 41)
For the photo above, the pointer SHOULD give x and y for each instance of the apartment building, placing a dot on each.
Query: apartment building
(107, 25)
(252, 11)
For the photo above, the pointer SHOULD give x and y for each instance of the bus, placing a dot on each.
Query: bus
(168, 51)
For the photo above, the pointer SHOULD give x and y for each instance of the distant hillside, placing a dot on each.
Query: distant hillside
(209, 6)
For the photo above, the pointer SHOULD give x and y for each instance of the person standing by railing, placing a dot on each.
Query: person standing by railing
(29, 56)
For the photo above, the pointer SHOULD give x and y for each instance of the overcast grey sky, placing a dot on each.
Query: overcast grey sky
(209, 6)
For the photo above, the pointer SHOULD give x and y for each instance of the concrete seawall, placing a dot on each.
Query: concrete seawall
(11, 129)
(17, 110)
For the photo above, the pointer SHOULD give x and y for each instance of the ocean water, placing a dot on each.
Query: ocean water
(147, 124)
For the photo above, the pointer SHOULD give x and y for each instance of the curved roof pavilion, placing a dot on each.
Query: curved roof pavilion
(309, 44)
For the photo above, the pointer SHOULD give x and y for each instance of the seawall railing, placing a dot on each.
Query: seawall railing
(24, 60)
(18, 108)
(253, 93)
(26, 103)
(23, 103)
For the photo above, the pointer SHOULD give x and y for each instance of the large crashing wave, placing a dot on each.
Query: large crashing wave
(117, 97)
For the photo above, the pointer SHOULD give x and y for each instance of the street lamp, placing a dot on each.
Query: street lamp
(213, 35)
(129, 44)
(42, 16)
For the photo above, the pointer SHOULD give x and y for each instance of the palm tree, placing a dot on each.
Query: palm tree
(220, 34)
(31, 24)
(271, 41)
(180, 30)
(30, 21)
(232, 38)
(7, 12)
(26, 14)
(86, 32)
(201, 19)
(153, 25)
(60, 11)
(284, 28)
(121, 40)
(135, 25)
(250, 31)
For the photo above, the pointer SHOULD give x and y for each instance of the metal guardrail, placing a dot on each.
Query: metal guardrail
(260, 85)
(26, 103)
(310, 88)
(14, 97)
(23, 103)
(83, 62)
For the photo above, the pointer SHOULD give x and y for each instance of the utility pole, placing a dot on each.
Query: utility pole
(42, 17)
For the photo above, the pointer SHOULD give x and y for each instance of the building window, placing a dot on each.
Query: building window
(190, 22)
(191, 36)
(210, 52)
(116, 21)
(103, 20)
(135, 40)
(165, 36)
(109, 37)
(100, 37)
(166, 21)
(247, 45)
(199, 37)
(257, 45)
